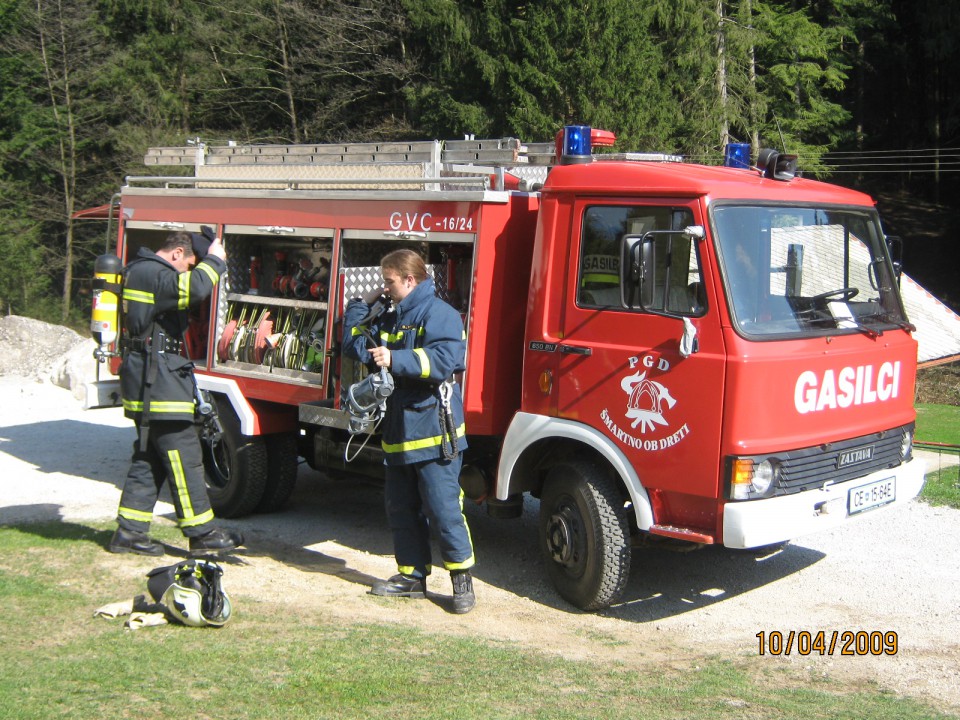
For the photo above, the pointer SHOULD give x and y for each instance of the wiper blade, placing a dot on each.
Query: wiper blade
(887, 318)
(869, 332)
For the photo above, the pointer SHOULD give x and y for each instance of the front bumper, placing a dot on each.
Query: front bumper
(754, 523)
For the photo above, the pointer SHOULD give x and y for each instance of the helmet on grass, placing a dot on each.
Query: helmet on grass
(191, 592)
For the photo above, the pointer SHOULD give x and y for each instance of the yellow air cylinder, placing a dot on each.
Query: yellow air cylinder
(105, 316)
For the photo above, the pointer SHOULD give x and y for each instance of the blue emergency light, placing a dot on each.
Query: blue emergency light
(737, 155)
(576, 146)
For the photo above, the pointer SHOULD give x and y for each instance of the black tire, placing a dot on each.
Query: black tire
(235, 468)
(282, 466)
(584, 535)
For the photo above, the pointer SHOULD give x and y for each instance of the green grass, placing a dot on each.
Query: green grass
(942, 487)
(278, 661)
(940, 424)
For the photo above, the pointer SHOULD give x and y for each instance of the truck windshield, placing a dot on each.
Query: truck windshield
(801, 271)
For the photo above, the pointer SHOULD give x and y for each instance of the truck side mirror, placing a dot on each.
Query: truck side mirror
(895, 248)
(637, 270)
(638, 267)
(648, 270)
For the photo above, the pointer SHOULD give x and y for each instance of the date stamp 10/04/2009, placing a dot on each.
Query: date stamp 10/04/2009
(828, 642)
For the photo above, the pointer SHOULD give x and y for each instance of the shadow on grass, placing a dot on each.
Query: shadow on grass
(44, 520)
(53, 530)
(349, 512)
(663, 583)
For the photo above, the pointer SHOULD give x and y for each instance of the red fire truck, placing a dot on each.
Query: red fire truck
(656, 349)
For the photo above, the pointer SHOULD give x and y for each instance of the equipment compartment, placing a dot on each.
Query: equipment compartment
(273, 310)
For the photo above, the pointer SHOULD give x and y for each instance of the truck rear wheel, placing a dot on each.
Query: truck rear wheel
(584, 535)
(282, 466)
(235, 467)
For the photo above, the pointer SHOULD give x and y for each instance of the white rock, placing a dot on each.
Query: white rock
(76, 367)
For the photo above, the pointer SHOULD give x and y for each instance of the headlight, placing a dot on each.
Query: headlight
(763, 476)
(906, 447)
(750, 478)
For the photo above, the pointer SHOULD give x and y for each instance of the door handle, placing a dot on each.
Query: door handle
(575, 350)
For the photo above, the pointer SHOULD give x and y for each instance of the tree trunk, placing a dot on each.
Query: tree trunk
(752, 77)
(57, 73)
(722, 78)
(287, 72)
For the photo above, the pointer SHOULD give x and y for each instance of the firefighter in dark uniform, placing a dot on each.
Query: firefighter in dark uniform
(158, 390)
(422, 343)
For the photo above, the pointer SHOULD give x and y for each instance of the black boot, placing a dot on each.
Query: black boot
(216, 540)
(138, 543)
(463, 597)
(401, 586)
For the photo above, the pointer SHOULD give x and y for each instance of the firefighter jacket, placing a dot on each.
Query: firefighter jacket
(156, 301)
(427, 346)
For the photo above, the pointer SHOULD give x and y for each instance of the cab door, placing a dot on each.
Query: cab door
(621, 369)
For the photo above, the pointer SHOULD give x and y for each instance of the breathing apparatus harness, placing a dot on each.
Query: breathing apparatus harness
(107, 329)
(106, 326)
(366, 399)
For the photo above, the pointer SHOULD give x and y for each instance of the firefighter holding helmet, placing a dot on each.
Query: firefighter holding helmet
(157, 386)
(422, 345)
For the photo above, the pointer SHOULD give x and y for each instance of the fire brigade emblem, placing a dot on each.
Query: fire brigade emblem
(646, 401)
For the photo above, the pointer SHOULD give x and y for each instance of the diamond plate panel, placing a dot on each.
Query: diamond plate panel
(360, 280)
(531, 173)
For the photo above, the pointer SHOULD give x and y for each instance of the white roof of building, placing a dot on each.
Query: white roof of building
(938, 327)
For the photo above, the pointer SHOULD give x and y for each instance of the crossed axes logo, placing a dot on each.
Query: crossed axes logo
(646, 401)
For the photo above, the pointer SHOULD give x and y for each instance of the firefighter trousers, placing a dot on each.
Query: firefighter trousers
(172, 452)
(421, 497)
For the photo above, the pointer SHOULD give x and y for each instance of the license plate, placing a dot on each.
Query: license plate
(872, 495)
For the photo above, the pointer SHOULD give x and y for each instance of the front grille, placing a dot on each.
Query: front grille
(839, 461)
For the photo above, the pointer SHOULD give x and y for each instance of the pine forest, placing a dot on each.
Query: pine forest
(865, 92)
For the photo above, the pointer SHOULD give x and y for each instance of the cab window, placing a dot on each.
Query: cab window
(678, 289)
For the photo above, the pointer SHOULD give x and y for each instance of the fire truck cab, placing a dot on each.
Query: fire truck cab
(655, 349)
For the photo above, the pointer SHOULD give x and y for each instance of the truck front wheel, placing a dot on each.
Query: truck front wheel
(235, 467)
(584, 535)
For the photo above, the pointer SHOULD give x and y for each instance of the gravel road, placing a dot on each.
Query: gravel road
(893, 571)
